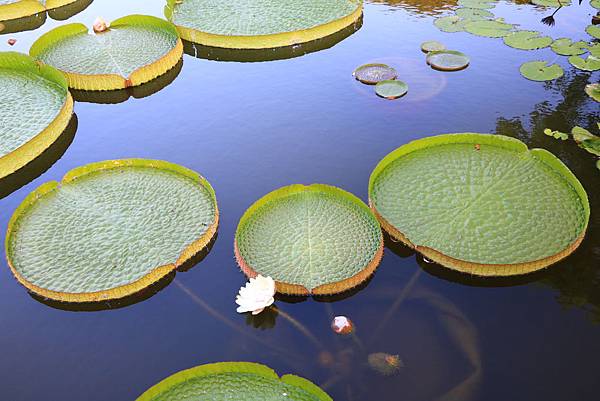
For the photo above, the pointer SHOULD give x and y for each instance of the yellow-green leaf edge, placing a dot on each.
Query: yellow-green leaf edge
(232, 367)
(104, 82)
(28, 8)
(275, 40)
(128, 289)
(296, 289)
(27, 152)
(501, 141)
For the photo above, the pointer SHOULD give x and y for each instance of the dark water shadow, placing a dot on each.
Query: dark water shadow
(40, 164)
(35, 21)
(122, 95)
(280, 53)
(265, 320)
(397, 247)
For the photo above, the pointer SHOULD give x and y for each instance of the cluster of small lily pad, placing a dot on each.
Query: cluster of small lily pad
(584, 138)
(442, 59)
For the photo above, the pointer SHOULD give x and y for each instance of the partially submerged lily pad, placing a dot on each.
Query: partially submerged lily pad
(551, 3)
(527, 40)
(593, 91)
(489, 28)
(15, 9)
(451, 24)
(473, 13)
(448, 60)
(110, 229)
(224, 380)
(314, 239)
(473, 203)
(481, 4)
(432, 46)
(567, 47)
(391, 89)
(260, 24)
(35, 109)
(371, 74)
(541, 71)
(590, 63)
(134, 50)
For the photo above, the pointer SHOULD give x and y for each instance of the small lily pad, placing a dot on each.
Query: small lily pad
(590, 63)
(593, 30)
(481, 4)
(551, 3)
(566, 47)
(314, 239)
(556, 134)
(110, 229)
(594, 49)
(134, 50)
(448, 60)
(527, 40)
(595, 4)
(432, 46)
(473, 13)
(541, 71)
(233, 380)
(580, 134)
(489, 28)
(593, 91)
(451, 23)
(391, 89)
(371, 74)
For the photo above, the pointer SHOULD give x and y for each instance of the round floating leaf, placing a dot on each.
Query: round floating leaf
(566, 47)
(391, 89)
(541, 71)
(593, 30)
(451, 24)
(594, 49)
(110, 229)
(473, 13)
(590, 63)
(489, 28)
(263, 24)
(551, 3)
(432, 46)
(480, 204)
(448, 60)
(134, 50)
(593, 90)
(14, 9)
(35, 109)
(224, 380)
(595, 4)
(480, 4)
(310, 239)
(527, 40)
(373, 73)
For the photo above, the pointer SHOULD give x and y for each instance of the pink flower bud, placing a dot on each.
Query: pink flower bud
(12, 41)
(342, 325)
(100, 25)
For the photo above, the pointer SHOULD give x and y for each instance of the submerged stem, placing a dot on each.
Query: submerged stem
(302, 328)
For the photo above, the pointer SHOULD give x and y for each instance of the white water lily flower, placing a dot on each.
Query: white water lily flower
(100, 25)
(256, 295)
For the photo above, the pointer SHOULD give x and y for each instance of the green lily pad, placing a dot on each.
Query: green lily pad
(314, 239)
(481, 204)
(110, 229)
(473, 13)
(371, 74)
(556, 134)
(451, 23)
(224, 380)
(134, 50)
(595, 4)
(432, 46)
(527, 40)
(391, 89)
(580, 134)
(590, 63)
(566, 47)
(591, 145)
(593, 30)
(593, 91)
(260, 24)
(448, 60)
(550, 3)
(35, 108)
(481, 4)
(489, 28)
(594, 49)
(14, 9)
(541, 71)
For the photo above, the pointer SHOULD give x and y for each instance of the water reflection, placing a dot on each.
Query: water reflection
(37, 20)
(424, 7)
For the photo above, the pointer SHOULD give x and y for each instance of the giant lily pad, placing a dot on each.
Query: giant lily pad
(593, 91)
(134, 50)
(590, 63)
(541, 71)
(14, 9)
(391, 89)
(448, 60)
(35, 109)
(110, 229)
(451, 24)
(371, 74)
(567, 47)
(527, 40)
(489, 28)
(310, 239)
(480, 204)
(224, 380)
(260, 24)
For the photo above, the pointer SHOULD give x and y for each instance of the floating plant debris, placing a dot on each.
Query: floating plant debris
(541, 71)
(110, 229)
(448, 60)
(527, 40)
(385, 364)
(489, 28)
(567, 47)
(432, 45)
(36, 109)
(11, 41)
(260, 24)
(371, 74)
(593, 91)
(391, 89)
(590, 63)
(224, 380)
(499, 193)
(314, 239)
(134, 50)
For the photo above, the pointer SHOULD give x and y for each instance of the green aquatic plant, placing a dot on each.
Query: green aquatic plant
(593, 30)
(450, 197)
(593, 91)
(451, 24)
(556, 134)
(448, 60)
(480, 4)
(224, 380)
(584, 138)
(36, 109)
(567, 47)
(551, 3)
(473, 13)
(432, 46)
(371, 74)
(527, 40)
(314, 239)
(489, 28)
(541, 71)
(134, 50)
(123, 224)
(391, 89)
(15, 9)
(590, 63)
(260, 24)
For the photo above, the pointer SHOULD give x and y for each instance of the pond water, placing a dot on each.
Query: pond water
(250, 128)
